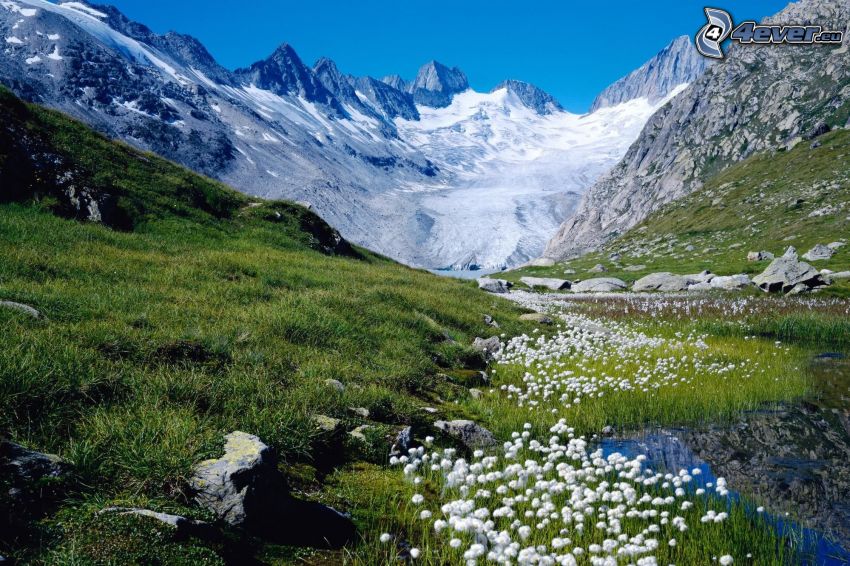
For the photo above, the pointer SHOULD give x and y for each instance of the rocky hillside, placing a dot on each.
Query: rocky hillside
(757, 99)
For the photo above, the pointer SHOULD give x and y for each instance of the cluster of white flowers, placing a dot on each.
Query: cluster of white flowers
(683, 306)
(564, 368)
(552, 502)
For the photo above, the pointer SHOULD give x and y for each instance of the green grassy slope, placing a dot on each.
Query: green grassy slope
(199, 312)
(799, 197)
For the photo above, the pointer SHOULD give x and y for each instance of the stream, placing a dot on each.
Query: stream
(793, 459)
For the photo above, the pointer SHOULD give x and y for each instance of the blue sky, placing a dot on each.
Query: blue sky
(571, 49)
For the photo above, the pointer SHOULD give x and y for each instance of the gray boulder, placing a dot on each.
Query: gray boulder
(790, 252)
(237, 487)
(537, 317)
(702, 277)
(731, 282)
(494, 285)
(598, 268)
(759, 256)
(840, 275)
(634, 268)
(819, 252)
(34, 480)
(835, 245)
(245, 489)
(660, 282)
(785, 273)
(20, 307)
(487, 346)
(599, 285)
(468, 433)
(335, 384)
(490, 321)
(549, 283)
(325, 424)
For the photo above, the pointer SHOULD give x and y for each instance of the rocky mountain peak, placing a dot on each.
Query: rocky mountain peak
(284, 73)
(532, 96)
(678, 63)
(435, 84)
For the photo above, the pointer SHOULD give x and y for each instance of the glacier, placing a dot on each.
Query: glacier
(511, 175)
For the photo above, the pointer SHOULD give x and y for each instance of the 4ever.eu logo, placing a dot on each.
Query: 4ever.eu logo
(710, 38)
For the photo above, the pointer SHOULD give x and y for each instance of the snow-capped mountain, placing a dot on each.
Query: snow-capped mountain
(427, 171)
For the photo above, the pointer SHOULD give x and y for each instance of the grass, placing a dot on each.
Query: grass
(195, 311)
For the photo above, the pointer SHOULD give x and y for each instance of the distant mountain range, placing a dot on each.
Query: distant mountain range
(426, 171)
(759, 98)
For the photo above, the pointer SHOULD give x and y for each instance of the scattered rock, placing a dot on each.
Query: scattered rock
(403, 442)
(430, 410)
(490, 321)
(537, 317)
(731, 282)
(326, 424)
(660, 282)
(549, 283)
(598, 268)
(634, 268)
(476, 393)
(468, 433)
(569, 272)
(494, 285)
(840, 275)
(736, 245)
(335, 384)
(541, 262)
(786, 272)
(361, 412)
(819, 252)
(182, 526)
(759, 256)
(815, 144)
(704, 286)
(487, 346)
(689, 248)
(599, 285)
(835, 245)
(20, 307)
(608, 430)
(614, 256)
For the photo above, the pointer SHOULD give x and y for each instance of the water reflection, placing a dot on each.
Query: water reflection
(792, 459)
